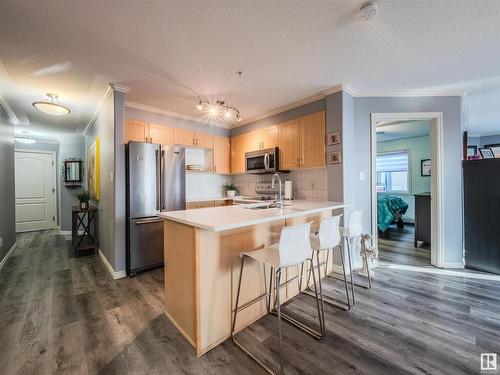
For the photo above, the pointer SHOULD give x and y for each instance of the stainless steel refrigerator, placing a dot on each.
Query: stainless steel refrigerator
(155, 183)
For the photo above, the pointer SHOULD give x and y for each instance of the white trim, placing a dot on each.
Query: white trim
(55, 170)
(445, 272)
(105, 95)
(119, 88)
(453, 265)
(437, 246)
(402, 93)
(68, 232)
(338, 269)
(12, 116)
(7, 256)
(332, 90)
(282, 109)
(114, 274)
(166, 112)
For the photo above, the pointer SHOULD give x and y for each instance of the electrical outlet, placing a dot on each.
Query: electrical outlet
(362, 175)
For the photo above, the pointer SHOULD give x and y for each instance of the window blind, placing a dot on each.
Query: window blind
(392, 162)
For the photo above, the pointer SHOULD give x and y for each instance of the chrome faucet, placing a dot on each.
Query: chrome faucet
(279, 202)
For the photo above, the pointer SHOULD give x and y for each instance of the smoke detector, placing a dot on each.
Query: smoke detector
(368, 10)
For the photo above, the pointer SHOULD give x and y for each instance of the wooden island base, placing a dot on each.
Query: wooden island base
(202, 271)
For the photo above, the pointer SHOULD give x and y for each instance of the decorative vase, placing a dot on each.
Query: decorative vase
(84, 205)
(231, 193)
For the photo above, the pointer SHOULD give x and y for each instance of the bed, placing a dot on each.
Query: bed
(390, 209)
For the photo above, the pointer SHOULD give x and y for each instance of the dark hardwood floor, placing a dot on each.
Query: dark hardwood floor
(398, 247)
(61, 315)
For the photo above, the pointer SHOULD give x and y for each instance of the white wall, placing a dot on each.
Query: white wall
(418, 148)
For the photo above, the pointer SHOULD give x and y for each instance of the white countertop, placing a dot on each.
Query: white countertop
(218, 219)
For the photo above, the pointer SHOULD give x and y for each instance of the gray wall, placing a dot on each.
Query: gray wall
(7, 185)
(489, 140)
(452, 156)
(156, 118)
(103, 128)
(120, 181)
(69, 147)
(304, 110)
(334, 173)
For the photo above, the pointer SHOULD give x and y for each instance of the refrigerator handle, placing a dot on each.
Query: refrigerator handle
(158, 167)
(160, 184)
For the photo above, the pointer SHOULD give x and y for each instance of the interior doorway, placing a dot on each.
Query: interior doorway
(406, 182)
(35, 181)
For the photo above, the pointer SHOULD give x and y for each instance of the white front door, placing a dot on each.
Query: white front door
(35, 191)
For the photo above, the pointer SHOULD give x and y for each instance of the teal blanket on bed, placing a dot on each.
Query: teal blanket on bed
(387, 206)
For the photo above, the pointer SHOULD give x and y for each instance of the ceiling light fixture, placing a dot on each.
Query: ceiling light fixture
(218, 109)
(51, 106)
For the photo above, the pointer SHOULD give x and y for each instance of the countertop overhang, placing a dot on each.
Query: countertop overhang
(219, 219)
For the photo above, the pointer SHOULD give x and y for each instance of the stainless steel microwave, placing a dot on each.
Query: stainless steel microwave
(263, 161)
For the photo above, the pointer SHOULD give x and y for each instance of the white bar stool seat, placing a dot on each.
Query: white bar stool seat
(294, 249)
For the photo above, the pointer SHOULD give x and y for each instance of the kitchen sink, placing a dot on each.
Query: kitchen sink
(261, 206)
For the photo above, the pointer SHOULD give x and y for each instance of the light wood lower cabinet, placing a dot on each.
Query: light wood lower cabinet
(205, 204)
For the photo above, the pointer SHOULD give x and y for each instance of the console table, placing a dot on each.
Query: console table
(88, 241)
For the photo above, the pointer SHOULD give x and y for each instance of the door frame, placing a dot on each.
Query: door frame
(436, 139)
(54, 178)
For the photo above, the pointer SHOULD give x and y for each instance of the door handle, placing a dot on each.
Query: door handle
(158, 166)
(142, 222)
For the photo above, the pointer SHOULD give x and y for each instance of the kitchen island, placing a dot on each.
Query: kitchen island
(202, 264)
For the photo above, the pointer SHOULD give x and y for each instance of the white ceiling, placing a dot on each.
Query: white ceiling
(397, 130)
(287, 50)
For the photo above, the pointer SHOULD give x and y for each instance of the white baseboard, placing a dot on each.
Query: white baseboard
(80, 232)
(6, 257)
(338, 269)
(453, 265)
(114, 274)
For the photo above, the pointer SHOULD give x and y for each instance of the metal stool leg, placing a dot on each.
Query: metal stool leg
(325, 298)
(278, 306)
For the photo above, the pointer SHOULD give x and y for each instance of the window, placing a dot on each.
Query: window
(393, 172)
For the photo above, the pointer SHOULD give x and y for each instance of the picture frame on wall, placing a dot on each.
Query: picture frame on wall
(495, 148)
(93, 169)
(487, 153)
(333, 138)
(425, 167)
(335, 157)
(471, 150)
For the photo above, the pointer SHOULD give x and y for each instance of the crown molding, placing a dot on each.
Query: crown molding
(105, 95)
(119, 88)
(332, 90)
(166, 112)
(12, 116)
(402, 93)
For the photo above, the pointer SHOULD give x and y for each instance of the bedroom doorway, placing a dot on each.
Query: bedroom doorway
(406, 159)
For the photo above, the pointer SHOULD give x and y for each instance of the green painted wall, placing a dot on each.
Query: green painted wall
(419, 148)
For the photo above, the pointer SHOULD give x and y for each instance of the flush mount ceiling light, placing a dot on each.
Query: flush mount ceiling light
(218, 110)
(51, 106)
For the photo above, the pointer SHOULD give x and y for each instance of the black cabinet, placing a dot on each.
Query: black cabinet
(481, 209)
(423, 218)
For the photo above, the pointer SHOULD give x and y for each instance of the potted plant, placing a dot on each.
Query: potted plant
(84, 197)
(230, 189)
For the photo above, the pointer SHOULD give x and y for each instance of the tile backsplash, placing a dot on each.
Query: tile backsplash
(307, 183)
(200, 186)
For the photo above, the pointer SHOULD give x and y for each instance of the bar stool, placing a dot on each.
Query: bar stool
(327, 239)
(293, 250)
(354, 232)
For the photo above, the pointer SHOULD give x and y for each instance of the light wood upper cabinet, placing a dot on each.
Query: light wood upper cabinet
(160, 134)
(204, 140)
(141, 131)
(261, 139)
(269, 137)
(222, 155)
(136, 131)
(192, 138)
(183, 137)
(289, 143)
(302, 142)
(312, 137)
(238, 149)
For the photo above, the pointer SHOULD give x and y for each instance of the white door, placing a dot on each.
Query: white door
(35, 191)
